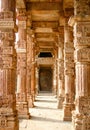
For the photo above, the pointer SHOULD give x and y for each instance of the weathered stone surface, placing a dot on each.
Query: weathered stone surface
(82, 49)
(8, 113)
(68, 105)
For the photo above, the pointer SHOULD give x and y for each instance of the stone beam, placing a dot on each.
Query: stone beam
(49, 15)
(46, 24)
(43, 6)
(45, 39)
(44, 44)
(44, 0)
(43, 30)
(45, 35)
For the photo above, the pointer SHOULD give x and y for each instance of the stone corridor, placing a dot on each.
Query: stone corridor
(45, 115)
(45, 47)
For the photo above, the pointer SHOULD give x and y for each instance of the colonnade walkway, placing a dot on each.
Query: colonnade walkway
(45, 115)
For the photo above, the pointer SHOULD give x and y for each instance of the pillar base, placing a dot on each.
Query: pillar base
(30, 101)
(60, 102)
(10, 128)
(8, 119)
(33, 97)
(80, 121)
(81, 116)
(23, 110)
(67, 109)
(21, 116)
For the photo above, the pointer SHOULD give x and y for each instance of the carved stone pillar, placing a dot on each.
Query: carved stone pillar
(55, 80)
(81, 22)
(37, 80)
(68, 104)
(33, 71)
(22, 104)
(29, 67)
(8, 113)
(61, 92)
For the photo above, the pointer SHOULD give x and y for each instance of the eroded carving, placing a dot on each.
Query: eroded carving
(82, 55)
(82, 7)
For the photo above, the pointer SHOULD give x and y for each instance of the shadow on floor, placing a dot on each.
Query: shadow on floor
(45, 119)
(48, 101)
(46, 108)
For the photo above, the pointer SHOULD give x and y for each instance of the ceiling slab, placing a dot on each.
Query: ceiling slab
(43, 30)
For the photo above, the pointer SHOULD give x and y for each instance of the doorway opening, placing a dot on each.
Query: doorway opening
(45, 79)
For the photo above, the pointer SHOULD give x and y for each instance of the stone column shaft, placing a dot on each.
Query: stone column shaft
(33, 71)
(8, 113)
(22, 103)
(68, 105)
(55, 79)
(61, 92)
(37, 80)
(81, 24)
(30, 64)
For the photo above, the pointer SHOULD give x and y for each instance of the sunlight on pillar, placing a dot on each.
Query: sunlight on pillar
(0, 5)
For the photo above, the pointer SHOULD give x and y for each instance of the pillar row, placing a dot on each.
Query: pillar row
(8, 112)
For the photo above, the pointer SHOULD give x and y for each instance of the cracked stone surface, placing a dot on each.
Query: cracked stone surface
(45, 115)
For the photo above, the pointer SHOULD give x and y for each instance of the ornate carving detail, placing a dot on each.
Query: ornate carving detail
(82, 7)
(3, 121)
(21, 63)
(6, 15)
(8, 50)
(82, 33)
(20, 97)
(61, 69)
(6, 24)
(45, 61)
(22, 24)
(81, 117)
(21, 12)
(82, 55)
(21, 44)
(6, 102)
(7, 37)
(83, 105)
(21, 16)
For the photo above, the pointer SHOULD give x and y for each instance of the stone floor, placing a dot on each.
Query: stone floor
(45, 115)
